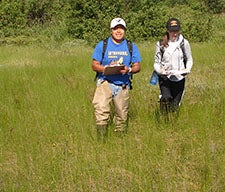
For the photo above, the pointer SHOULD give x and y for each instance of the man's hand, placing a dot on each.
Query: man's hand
(125, 70)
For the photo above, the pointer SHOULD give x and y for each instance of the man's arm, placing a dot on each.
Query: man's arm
(96, 66)
(136, 67)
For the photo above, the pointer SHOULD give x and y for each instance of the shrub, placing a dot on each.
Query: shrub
(89, 20)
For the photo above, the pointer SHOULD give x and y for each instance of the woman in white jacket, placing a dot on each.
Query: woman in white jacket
(173, 61)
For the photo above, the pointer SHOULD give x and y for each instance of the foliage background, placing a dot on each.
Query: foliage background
(43, 20)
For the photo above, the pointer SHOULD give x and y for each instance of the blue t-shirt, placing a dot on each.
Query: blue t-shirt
(113, 53)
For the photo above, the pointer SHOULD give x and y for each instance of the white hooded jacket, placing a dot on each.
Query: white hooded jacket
(171, 63)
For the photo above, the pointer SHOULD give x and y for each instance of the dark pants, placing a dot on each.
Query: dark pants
(171, 93)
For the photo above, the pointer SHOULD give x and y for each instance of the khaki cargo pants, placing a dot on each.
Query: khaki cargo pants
(101, 103)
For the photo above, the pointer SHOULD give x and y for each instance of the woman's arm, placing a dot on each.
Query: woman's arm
(187, 49)
(158, 59)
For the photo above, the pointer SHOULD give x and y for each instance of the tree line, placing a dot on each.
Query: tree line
(89, 19)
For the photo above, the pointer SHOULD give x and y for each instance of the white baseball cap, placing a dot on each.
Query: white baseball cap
(117, 21)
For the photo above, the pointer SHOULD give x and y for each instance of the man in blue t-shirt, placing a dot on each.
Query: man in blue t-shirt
(114, 86)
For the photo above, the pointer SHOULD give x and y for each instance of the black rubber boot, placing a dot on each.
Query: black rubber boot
(102, 133)
(164, 107)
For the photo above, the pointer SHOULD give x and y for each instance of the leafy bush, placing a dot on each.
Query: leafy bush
(12, 18)
(89, 20)
(145, 23)
(216, 6)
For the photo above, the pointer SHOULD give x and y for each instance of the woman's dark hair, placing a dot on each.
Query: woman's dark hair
(164, 40)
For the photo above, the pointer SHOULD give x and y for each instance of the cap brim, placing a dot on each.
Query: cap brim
(112, 27)
(174, 28)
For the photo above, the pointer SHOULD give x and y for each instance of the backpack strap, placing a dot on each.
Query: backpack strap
(130, 48)
(184, 54)
(105, 43)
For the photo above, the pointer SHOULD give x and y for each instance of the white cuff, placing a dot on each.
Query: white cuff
(130, 69)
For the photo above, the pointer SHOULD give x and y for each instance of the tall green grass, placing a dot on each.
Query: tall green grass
(48, 137)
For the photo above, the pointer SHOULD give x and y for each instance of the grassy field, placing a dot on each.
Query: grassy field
(48, 137)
